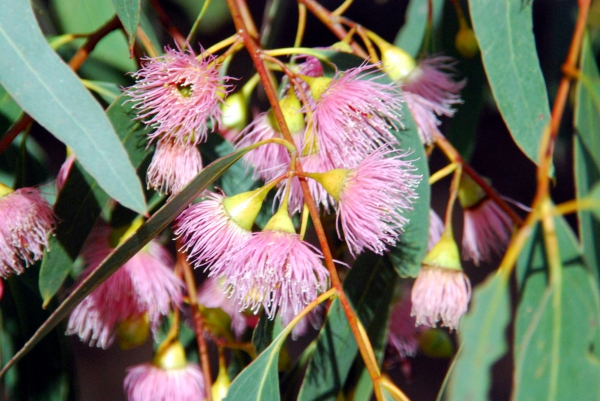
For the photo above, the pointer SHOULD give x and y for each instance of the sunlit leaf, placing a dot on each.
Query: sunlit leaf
(52, 94)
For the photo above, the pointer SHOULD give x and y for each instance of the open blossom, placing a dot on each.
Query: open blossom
(173, 166)
(168, 378)
(353, 115)
(145, 284)
(403, 335)
(177, 94)
(372, 198)
(276, 270)
(26, 219)
(486, 231)
(441, 291)
(208, 231)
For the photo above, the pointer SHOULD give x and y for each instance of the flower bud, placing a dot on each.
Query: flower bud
(469, 192)
(444, 254)
(317, 85)
(170, 356)
(290, 107)
(243, 208)
(397, 63)
(281, 221)
(235, 112)
(466, 42)
(133, 332)
(221, 385)
(332, 181)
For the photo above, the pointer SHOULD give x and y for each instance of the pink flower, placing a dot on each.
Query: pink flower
(173, 166)
(274, 269)
(212, 295)
(486, 231)
(425, 113)
(438, 294)
(26, 219)
(144, 284)
(177, 94)
(433, 79)
(208, 232)
(372, 199)
(64, 171)
(403, 336)
(270, 160)
(436, 228)
(148, 382)
(354, 115)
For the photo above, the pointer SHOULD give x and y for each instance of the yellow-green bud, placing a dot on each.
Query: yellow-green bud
(466, 42)
(294, 118)
(397, 63)
(342, 47)
(243, 208)
(133, 332)
(221, 385)
(332, 181)
(469, 192)
(170, 357)
(317, 85)
(235, 111)
(4, 190)
(281, 221)
(444, 254)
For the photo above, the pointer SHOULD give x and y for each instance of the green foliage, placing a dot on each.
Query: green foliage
(52, 94)
(557, 338)
(505, 36)
(410, 37)
(129, 14)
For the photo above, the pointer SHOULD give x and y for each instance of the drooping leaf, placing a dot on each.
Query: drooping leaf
(411, 35)
(81, 200)
(557, 336)
(369, 286)
(157, 223)
(129, 14)
(587, 157)
(505, 36)
(52, 94)
(482, 340)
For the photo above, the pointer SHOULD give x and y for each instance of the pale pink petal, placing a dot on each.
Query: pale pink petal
(147, 382)
(173, 166)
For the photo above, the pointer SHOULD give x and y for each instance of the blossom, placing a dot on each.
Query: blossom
(403, 336)
(212, 295)
(353, 114)
(173, 166)
(213, 227)
(371, 199)
(169, 378)
(486, 231)
(433, 79)
(274, 269)
(143, 285)
(26, 219)
(177, 94)
(441, 291)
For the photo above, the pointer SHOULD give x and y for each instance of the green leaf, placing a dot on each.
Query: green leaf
(505, 36)
(482, 340)
(587, 157)
(81, 200)
(412, 244)
(411, 35)
(9, 110)
(53, 95)
(157, 223)
(129, 14)
(369, 286)
(262, 336)
(557, 336)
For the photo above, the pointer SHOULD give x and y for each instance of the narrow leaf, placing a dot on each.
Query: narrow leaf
(482, 340)
(81, 200)
(557, 336)
(369, 289)
(129, 14)
(505, 36)
(157, 223)
(42, 84)
(411, 35)
(587, 157)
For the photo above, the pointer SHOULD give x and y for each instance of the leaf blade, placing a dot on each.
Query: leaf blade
(52, 94)
(129, 14)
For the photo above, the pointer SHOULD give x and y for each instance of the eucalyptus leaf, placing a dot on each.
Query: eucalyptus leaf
(155, 224)
(587, 157)
(129, 14)
(505, 36)
(81, 200)
(411, 35)
(557, 336)
(52, 94)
